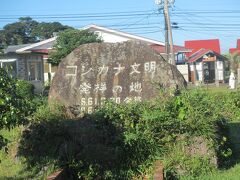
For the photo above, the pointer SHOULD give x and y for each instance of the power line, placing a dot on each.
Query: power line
(84, 19)
(150, 32)
(202, 29)
(145, 21)
(140, 20)
(218, 24)
(126, 12)
(206, 11)
(114, 14)
(85, 16)
(82, 14)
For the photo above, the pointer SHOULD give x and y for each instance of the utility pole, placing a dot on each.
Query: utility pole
(167, 19)
(166, 38)
(168, 30)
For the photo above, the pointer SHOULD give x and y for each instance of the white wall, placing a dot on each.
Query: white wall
(199, 69)
(183, 69)
(220, 70)
(111, 38)
(46, 77)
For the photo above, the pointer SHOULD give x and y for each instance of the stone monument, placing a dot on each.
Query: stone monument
(121, 72)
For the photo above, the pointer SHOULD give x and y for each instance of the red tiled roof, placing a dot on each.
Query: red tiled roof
(197, 55)
(235, 50)
(45, 51)
(195, 45)
(176, 49)
(200, 53)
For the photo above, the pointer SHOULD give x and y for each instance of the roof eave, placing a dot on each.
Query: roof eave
(36, 44)
(150, 41)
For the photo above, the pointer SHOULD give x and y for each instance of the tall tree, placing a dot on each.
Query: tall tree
(234, 62)
(26, 30)
(68, 40)
(46, 30)
(19, 32)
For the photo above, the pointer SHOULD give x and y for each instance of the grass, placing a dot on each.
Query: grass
(230, 174)
(234, 172)
(220, 89)
(11, 165)
(14, 167)
(212, 88)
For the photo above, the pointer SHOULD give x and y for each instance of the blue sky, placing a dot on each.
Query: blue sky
(202, 19)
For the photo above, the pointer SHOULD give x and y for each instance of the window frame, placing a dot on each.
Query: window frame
(10, 60)
(36, 61)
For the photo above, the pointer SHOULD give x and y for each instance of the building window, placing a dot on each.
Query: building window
(34, 70)
(180, 57)
(10, 65)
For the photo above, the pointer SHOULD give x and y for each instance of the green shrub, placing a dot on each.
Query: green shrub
(228, 105)
(192, 114)
(43, 137)
(17, 103)
(142, 133)
(68, 40)
(24, 89)
(123, 141)
(179, 163)
(47, 112)
(13, 108)
(230, 174)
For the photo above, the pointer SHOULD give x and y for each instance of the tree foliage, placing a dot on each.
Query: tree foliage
(70, 39)
(122, 141)
(19, 32)
(13, 108)
(234, 61)
(46, 30)
(26, 30)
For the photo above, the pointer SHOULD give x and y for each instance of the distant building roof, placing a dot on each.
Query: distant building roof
(93, 27)
(41, 47)
(197, 55)
(235, 50)
(46, 45)
(200, 53)
(12, 49)
(195, 45)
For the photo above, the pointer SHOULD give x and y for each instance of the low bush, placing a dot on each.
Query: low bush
(14, 109)
(42, 138)
(47, 112)
(191, 115)
(186, 132)
(24, 89)
(178, 162)
(228, 105)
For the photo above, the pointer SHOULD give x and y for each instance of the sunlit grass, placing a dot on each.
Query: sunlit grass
(230, 174)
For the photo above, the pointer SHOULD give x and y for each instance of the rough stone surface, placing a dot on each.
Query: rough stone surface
(58, 175)
(200, 146)
(122, 72)
(158, 173)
